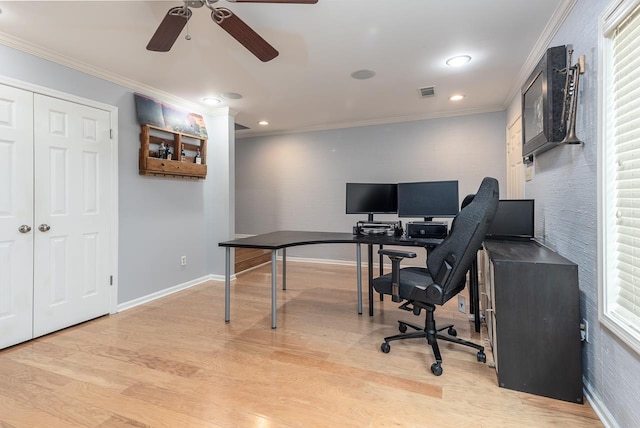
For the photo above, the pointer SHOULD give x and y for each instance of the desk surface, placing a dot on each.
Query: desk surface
(291, 238)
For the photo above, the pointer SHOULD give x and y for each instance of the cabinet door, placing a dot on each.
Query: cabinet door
(73, 152)
(16, 214)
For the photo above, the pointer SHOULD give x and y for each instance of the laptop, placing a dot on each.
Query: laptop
(514, 221)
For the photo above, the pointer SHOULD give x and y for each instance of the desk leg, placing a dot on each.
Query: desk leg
(274, 274)
(381, 270)
(475, 298)
(370, 271)
(227, 284)
(359, 277)
(284, 269)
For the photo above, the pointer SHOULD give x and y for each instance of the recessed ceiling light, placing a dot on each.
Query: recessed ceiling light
(459, 60)
(263, 122)
(456, 97)
(211, 101)
(231, 95)
(363, 74)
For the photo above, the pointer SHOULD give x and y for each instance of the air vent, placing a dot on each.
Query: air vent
(427, 91)
(240, 127)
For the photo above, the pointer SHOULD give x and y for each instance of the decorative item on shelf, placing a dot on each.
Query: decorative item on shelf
(183, 157)
(570, 105)
(164, 116)
(198, 158)
(162, 151)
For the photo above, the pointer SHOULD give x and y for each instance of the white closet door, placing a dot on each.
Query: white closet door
(73, 152)
(16, 213)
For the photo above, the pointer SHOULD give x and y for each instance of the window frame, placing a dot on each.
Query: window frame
(612, 16)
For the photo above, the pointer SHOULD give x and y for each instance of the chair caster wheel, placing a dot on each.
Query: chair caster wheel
(436, 369)
(385, 347)
(482, 357)
(402, 328)
(452, 332)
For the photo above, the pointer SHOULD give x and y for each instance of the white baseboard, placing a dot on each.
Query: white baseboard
(168, 291)
(598, 406)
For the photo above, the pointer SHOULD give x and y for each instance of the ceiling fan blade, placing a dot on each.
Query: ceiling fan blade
(240, 31)
(276, 1)
(169, 29)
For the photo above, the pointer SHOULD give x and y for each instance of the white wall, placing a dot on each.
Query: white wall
(564, 187)
(160, 219)
(297, 181)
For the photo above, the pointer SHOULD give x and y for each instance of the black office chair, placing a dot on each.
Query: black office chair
(474, 292)
(445, 274)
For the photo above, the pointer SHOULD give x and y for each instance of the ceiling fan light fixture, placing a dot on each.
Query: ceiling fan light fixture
(211, 101)
(363, 74)
(176, 19)
(458, 60)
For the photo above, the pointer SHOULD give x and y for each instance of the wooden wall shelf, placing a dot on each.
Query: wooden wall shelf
(151, 137)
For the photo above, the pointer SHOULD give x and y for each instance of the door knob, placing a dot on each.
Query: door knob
(24, 229)
(44, 228)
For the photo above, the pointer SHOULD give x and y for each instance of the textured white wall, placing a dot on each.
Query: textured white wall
(564, 187)
(297, 181)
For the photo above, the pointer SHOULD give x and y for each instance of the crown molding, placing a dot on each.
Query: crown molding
(550, 30)
(384, 121)
(135, 86)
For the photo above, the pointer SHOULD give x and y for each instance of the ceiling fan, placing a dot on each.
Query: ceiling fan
(177, 17)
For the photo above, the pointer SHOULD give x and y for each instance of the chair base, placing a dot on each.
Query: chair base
(432, 336)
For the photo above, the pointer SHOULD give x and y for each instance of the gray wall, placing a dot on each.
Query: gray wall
(564, 187)
(160, 218)
(297, 181)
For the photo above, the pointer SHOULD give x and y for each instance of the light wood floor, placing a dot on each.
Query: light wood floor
(175, 363)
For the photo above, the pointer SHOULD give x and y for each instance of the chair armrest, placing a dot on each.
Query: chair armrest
(397, 253)
(396, 257)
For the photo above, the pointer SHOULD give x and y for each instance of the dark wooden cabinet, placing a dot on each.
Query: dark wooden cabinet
(531, 305)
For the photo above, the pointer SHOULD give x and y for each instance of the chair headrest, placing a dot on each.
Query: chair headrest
(471, 225)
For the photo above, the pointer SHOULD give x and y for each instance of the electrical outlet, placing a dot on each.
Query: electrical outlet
(462, 304)
(183, 260)
(584, 331)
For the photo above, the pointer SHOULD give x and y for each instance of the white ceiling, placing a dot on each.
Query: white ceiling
(308, 86)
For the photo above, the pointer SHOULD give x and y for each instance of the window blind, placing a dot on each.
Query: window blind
(624, 182)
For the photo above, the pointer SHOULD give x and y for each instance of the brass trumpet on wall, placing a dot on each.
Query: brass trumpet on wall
(570, 105)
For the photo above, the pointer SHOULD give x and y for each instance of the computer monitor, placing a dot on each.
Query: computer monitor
(428, 199)
(372, 198)
(514, 220)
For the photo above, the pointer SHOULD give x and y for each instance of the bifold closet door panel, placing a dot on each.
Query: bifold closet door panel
(16, 215)
(72, 213)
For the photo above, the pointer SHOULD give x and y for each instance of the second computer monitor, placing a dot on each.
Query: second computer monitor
(428, 199)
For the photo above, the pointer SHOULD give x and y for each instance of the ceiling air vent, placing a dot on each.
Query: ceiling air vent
(427, 91)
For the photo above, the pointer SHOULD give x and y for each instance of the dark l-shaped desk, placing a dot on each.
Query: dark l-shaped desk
(281, 240)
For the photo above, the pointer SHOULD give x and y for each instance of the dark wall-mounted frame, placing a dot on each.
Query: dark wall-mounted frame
(542, 99)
